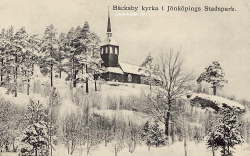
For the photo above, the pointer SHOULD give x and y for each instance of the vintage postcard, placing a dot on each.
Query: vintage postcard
(121, 78)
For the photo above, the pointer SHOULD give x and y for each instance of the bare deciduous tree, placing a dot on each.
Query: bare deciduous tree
(174, 83)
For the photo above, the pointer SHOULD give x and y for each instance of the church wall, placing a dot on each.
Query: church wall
(112, 77)
(135, 78)
(110, 60)
(109, 55)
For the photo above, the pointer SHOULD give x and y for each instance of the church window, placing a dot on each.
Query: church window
(107, 50)
(129, 78)
(110, 50)
(116, 50)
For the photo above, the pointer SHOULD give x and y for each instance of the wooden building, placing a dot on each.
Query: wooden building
(116, 70)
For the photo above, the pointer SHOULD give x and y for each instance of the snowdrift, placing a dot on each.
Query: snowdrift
(214, 102)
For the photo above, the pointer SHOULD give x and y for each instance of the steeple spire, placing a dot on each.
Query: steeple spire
(109, 33)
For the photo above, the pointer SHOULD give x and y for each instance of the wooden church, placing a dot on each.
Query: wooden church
(116, 70)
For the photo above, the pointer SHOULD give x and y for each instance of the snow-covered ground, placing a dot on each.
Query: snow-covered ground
(115, 90)
(22, 98)
(176, 149)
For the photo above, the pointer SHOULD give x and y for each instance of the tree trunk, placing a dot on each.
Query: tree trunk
(51, 75)
(13, 145)
(87, 81)
(214, 90)
(213, 150)
(28, 86)
(51, 68)
(87, 128)
(16, 77)
(1, 69)
(50, 137)
(167, 121)
(184, 131)
(150, 82)
(68, 147)
(60, 73)
(115, 151)
(35, 151)
(74, 78)
(73, 71)
(87, 85)
(185, 145)
(95, 86)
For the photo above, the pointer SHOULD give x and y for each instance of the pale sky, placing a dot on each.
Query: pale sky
(203, 37)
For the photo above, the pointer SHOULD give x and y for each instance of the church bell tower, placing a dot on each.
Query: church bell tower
(109, 49)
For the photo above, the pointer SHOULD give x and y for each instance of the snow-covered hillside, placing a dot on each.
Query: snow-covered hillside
(115, 91)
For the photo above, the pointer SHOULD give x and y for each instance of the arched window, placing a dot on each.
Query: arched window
(116, 50)
(129, 78)
(107, 50)
(111, 50)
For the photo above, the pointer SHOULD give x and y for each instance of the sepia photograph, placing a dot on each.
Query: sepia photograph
(124, 78)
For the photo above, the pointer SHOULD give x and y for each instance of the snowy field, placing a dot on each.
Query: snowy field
(113, 90)
(173, 150)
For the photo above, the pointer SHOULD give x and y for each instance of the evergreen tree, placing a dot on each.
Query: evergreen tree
(148, 65)
(29, 59)
(227, 133)
(17, 47)
(17, 57)
(49, 48)
(214, 75)
(85, 59)
(61, 53)
(3, 46)
(157, 135)
(7, 62)
(36, 135)
(153, 135)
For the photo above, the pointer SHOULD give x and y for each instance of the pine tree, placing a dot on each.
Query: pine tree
(17, 47)
(61, 54)
(214, 75)
(148, 65)
(29, 59)
(49, 48)
(84, 54)
(227, 133)
(7, 61)
(36, 135)
(3, 46)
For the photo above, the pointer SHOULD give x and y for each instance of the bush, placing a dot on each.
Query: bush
(112, 103)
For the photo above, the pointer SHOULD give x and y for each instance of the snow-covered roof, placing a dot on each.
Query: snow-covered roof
(133, 69)
(157, 77)
(114, 70)
(215, 102)
(110, 41)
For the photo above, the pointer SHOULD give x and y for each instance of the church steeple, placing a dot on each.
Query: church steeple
(109, 33)
(109, 49)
